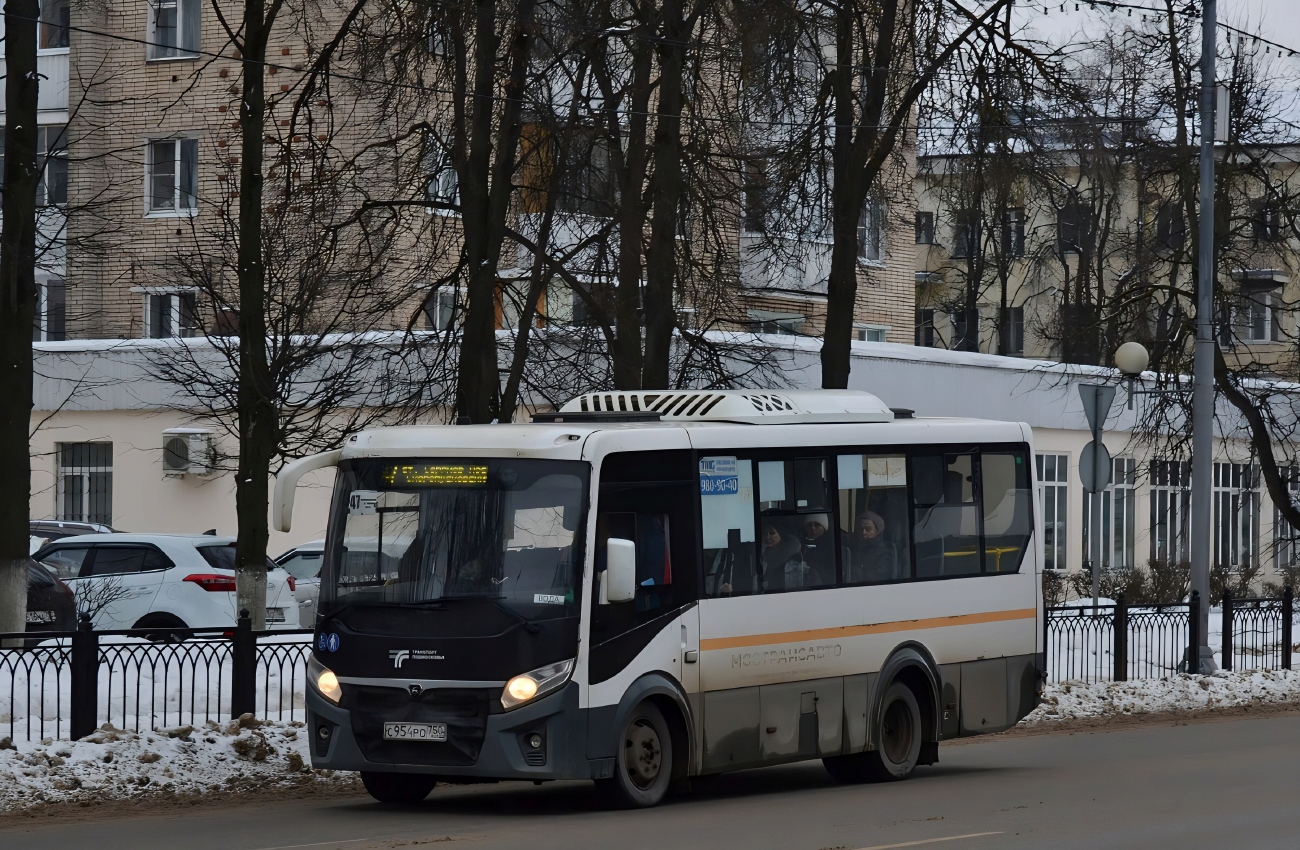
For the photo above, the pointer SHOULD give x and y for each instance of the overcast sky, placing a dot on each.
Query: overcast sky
(1277, 20)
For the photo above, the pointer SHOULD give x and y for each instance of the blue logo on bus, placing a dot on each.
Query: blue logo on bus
(328, 643)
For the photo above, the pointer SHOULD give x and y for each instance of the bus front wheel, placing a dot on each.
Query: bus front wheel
(898, 742)
(397, 787)
(643, 766)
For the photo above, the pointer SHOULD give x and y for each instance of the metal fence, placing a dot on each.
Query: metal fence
(72, 682)
(1115, 641)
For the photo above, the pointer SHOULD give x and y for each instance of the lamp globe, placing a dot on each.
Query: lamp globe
(1132, 358)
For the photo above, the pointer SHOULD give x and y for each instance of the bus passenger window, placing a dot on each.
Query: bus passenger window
(1004, 481)
(946, 524)
(727, 514)
(875, 529)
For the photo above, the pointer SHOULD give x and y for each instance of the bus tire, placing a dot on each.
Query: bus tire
(899, 730)
(398, 787)
(643, 764)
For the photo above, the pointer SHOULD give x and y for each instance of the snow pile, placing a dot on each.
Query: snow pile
(240, 755)
(1074, 700)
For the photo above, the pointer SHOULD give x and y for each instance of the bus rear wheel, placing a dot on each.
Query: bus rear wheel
(397, 787)
(643, 766)
(898, 742)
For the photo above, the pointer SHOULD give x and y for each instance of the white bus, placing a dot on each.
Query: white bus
(652, 586)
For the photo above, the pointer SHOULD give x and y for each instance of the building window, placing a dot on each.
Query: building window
(1013, 330)
(441, 183)
(1236, 514)
(169, 314)
(871, 231)
(440, 308)
(585, 185)
(1286, 537)
(787, 324)
(870, 333)
(1171, 492)
(925, 328)
(1266, 223)
(174, 29)
(757, 192)
(51, 146)
(85, 482)
(1071, 228)
(173, 176)
(1118, 518)
(55, 18)
(1013, 233)
(1171, 229)
(51, 312)
(1054, 496)
(965, 330)
(1253, 320)
(966, 233)
(924, 228)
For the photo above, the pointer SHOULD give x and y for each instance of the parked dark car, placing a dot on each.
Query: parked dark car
(51, 607)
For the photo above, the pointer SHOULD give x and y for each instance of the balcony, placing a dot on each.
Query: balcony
(53, 69)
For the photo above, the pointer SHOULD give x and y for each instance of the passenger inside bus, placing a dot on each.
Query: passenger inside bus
(872, 557)
(818, 551)
(780, 561)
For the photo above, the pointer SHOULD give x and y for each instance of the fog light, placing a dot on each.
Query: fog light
(324, 733)
(535, 741)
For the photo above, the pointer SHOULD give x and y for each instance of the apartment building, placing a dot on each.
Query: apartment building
(139, 111)
(1048, 260)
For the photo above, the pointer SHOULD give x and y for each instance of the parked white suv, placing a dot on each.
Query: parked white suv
(161, 580)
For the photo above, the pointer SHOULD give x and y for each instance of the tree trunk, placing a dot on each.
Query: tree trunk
(487, 147)
(666, 194)
(631, 212)
(18, 300)
(258, 419)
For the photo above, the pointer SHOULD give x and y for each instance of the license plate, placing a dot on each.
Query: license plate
(40, 616)
(415, 731)
(275, 615)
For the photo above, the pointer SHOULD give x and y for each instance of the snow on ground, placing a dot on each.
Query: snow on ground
(111, 764)
(1075, 700)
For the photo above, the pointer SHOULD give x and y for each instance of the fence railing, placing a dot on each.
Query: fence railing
(1119, 642)
(71, 682)
(136, 679)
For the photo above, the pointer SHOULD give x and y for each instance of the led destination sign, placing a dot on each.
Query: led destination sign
(434, 475)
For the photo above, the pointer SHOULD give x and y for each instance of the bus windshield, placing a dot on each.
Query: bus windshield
(426, 531)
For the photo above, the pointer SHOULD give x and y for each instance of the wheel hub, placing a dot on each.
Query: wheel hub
(643, 754)
(897, 732)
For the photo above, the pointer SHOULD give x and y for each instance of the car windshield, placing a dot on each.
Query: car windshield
(424, 531)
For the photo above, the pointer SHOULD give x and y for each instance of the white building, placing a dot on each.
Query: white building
(101, 424)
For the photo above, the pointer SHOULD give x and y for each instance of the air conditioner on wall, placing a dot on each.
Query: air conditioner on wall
(187, 451)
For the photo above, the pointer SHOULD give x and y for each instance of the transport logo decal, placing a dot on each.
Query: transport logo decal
(401, 656)
(328, 642)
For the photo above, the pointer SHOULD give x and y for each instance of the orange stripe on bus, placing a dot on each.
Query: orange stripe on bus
(870, 629)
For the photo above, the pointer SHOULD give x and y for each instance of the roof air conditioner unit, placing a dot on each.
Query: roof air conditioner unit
(187, 451)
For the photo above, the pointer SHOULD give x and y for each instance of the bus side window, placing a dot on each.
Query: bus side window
(874, 518)
(727, 514)
(946, 520)
(1007, 509)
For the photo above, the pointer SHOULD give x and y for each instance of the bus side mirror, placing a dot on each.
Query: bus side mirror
(620, 571)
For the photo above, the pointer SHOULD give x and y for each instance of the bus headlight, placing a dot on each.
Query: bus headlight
(324, 680)
(534, 683)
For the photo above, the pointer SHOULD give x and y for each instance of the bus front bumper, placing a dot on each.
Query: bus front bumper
(507, 750)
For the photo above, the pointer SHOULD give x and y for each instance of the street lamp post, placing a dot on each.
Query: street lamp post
(1203, 364)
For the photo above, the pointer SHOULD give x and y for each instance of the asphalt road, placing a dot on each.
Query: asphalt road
(1227, 783)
